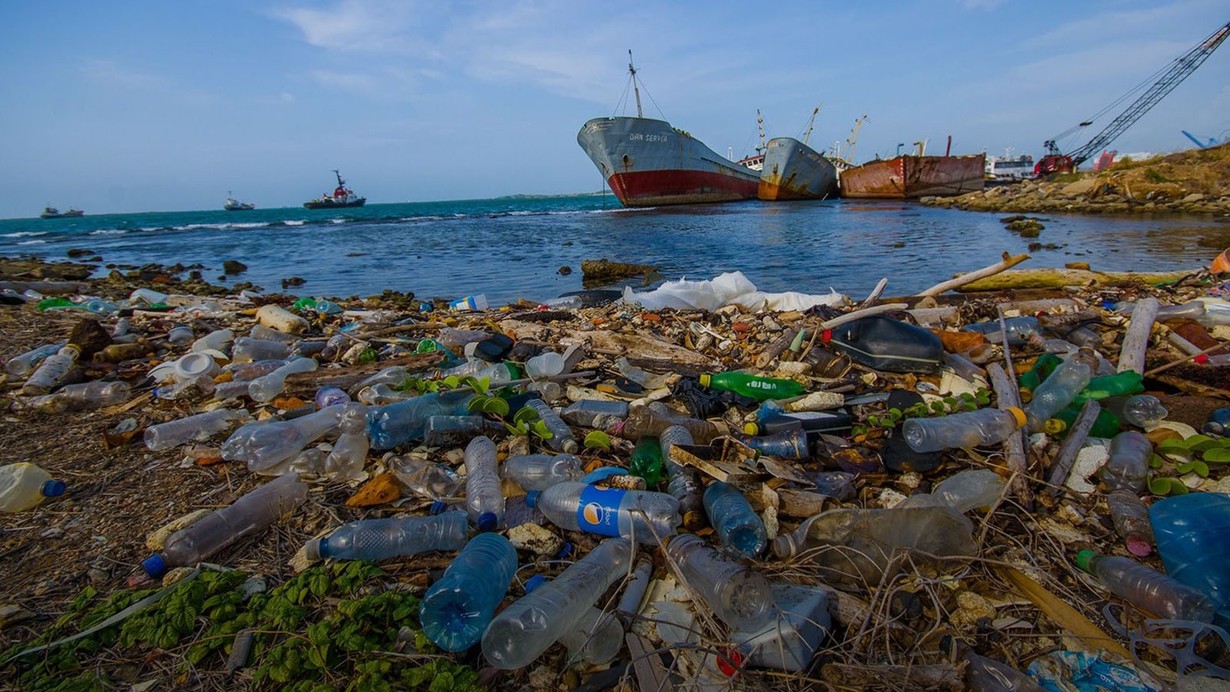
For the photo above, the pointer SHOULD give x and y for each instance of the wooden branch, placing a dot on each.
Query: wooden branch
(875, 293)
(1014, 447)
(969, 278)
(775, 349)
(1059, 278)
(1136, 341)
(861, 313)
(1071, 446)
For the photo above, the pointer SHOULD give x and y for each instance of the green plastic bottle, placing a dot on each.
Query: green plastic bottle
(753, 386)
(1042, 369)
(1119, 384)
(1106, 425)
(646, 461)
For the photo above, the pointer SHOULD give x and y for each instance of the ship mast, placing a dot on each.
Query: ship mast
(760, 126)
(340, 182)
(811, 123)
(632, 71)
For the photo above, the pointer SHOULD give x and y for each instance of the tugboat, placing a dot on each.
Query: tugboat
(342, 197)
(50, 212)
(233, 204)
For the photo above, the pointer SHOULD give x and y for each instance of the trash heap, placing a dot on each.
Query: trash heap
(699, 486)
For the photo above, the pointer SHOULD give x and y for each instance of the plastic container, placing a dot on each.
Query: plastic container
(267, 387)
(484, 494)
(457, 609)
(1147, 588)
(380, 539)
(52, 370)
(1060, 389)
(181, 334)
(785, 444)
(76, 397)
(330, 396)
(737, 595)
(194, 366)
(646, 461)
(561, 439)
(681, 483)
(23, 364)
(525, 629)
(1021, 330)
(596, 637)
(643, 515)
(546, 364)
(652, 420)
(753, 386)
(469, 303)
(734, 520)
(213, 341)
(266, 445)
(1131, 520)
(1141, 410)
(789, 640)
(246, 350)
(394, 424)
(349, 454)
(1129, 462)
(429, 479)
(24, 485)
(193, 428)
(456, 431)
(219, 529)
(281, 319)
(963, 430)
(882, 343)
(593, 413)
(537, 472)
(1193, 540)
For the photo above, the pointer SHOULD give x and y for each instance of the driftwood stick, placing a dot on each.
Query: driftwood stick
(1136, 341)
(775, 349)
(1059, 278)
(970, 277)
(1014, 447)
(861, 313)
(875, 293)
(1072, 444)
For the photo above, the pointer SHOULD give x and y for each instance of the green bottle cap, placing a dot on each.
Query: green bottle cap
(1084, 557)
(705, 380)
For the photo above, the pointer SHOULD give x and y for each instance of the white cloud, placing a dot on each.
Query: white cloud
(365, 26)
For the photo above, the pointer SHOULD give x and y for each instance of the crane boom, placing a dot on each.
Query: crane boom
(1178, 70)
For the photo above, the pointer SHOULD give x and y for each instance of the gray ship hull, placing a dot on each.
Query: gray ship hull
(793, 170)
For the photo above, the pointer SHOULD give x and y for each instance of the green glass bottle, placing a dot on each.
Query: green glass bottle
(646, 461)
(753, 386)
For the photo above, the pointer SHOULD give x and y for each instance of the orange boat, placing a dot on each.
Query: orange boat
(915, 176)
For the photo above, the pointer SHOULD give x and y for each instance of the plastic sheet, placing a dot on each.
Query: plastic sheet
(731, 288)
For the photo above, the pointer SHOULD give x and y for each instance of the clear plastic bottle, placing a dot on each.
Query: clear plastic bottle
(734, 520)
(561, 439)
(457, 609)
(330, 396)
(349, 454)
(484, 494)
(644, 515)
(652, 420)
(1193, 540)
(1021, 330)
(76, 397)
(783, 444)
(218, 529)
(681, 483)
(380, 539)
(265, 445)
(213, 341)
(1129, 462)
(596, 637)
(1147, 588)
(1131, 520)
(391, 425)
(185, 430)
(180, 334)
(963, 491)
(497, 375)
(545, 364)
(1141, 410)
(24, 485)
(884, 343)
(752, 386)
(429, 479)
(525, 629)
(246, 372)
(593, 413)
(740, 597)
(541, 471)
(246, 350)
(267, 387)
(20, 365)
(381, 394)
(455, 431)
(1059, 390)
(52, 370)
(963, 430)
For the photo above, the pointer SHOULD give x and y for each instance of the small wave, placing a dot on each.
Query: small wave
(33, 242)
(337, 220)
(109, 231)
(23, 234)
(293, 223)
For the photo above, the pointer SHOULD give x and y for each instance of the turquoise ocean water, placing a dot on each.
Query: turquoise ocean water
(513, 248)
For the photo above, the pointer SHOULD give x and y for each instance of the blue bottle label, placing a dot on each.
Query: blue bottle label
(599, 510)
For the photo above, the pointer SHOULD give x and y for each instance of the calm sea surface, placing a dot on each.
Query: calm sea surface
(513, 248)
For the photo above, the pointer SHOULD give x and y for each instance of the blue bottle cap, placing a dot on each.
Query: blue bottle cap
(565, 551)
(53, 488)
(534, 582)
(437, 507)
(154, 566)
(531, 499)
(487, 521)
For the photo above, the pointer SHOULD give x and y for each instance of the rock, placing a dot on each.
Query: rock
(234, 267)
(1193, 197)
(605, 271)
(564, 270)
(79, 252)
(11, 614)
(1080, 187)
(535, 538)
(293, 281)
(90, 336)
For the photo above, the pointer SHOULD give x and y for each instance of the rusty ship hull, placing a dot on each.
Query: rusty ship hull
(915, 176)
(648, 163)
(793, 170)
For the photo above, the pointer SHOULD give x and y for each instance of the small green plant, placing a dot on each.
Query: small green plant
(1153, 176)
(949, 404)
(527, 421)
(597, 439)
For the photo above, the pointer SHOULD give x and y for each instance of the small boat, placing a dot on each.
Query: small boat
(908, 177)
(50, 212)
(793, 170)
(342, 197)
(648, 162)
(233, 204)
(1001, 170)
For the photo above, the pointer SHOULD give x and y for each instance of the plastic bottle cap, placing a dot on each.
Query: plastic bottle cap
(705, 380)
(437, 507)
(1084, 557)
(531, 498)
(565, 551)
(730, 662)
(534, 582)
(751, 428)
(312, 549)
(154, 566)
(1054, 426)
(487, 521)
(1202, 358)
(1017, 413)
(53, 488)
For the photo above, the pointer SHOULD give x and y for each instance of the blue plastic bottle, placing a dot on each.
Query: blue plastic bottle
(389, 426)
(457, 609)
(735, 521)
(1193, 540)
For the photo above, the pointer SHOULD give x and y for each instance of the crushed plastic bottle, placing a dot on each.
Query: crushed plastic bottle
(349, 454)
(644, 515)
(592, 413)
(185, 430)
(25, 363)
(734, 520)
(1060, 388)
(1147, 588)
(682, 483)
(1129, 462)
(381, 539)
(784, 444)
(963, 430)
(394, 424)
(456, 431)
(740, 597)
(596, 637)
(1192, 539)
(266, 445)
(24, 485)
(964, 491)
(654, 419)
(1021, 330)
(431, 480)
(217, 530)
(53, 369)
(457, 609)
(76, 397)
(541, 471)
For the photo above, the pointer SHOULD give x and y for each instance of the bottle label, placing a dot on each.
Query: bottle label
(599, 510)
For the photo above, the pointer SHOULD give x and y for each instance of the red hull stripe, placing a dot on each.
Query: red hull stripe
(648, 188)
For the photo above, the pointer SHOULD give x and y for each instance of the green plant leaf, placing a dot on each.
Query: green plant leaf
(597, 440)
(1194, 466)
(1165, 485)
(1216, 455)
(525, 415)
(539, 428)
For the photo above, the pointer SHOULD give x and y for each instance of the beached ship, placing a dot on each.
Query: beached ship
(233, 204)
(342, 197)
(648, 162)
(1009, 168)
(793, 170)
(50, 212)
(907, 176)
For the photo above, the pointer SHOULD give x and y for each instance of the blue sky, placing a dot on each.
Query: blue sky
(143, 105)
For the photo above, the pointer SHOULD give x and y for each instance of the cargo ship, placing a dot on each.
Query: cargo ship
(793, 170)
(648, 162)
(907, 176)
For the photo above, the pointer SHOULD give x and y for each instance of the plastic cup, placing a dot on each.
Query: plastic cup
(545, 364)
(194, 366)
